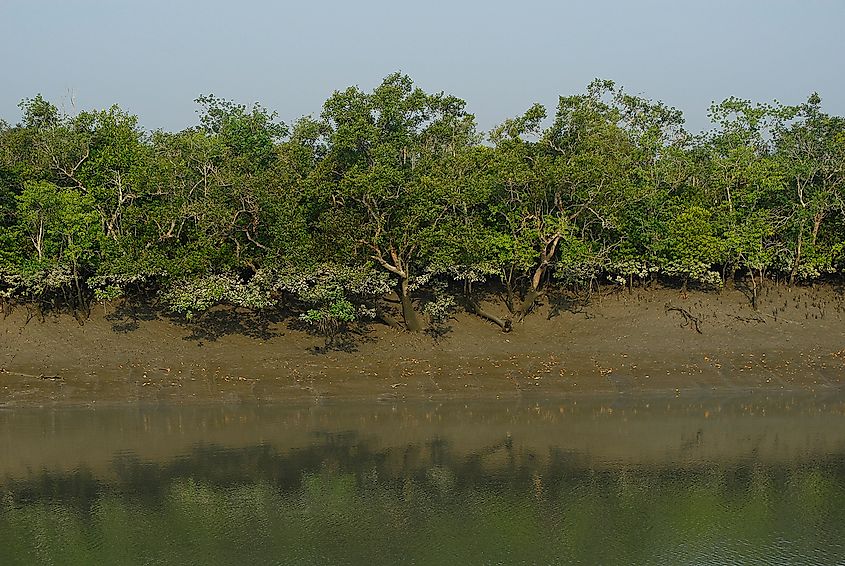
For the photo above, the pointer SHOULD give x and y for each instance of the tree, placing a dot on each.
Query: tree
(380, 149)
(63, 229)
(810, 147)
(393, 189)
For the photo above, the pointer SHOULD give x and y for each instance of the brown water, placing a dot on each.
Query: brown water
(743, 479)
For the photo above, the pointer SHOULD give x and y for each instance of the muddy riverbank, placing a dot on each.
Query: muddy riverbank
(621, 342)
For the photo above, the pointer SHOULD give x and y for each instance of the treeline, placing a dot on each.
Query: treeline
(395, 190)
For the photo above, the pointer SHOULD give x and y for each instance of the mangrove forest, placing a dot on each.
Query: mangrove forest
(392, 206)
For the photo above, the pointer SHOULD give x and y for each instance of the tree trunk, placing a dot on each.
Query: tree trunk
(528, 304)
(507, 278)
(412, 318)
(753, 290)
(390, 321)
(400, 268)
(81, 303)
(534, 293)
(506, 324)
(797, 261)
(817, 223)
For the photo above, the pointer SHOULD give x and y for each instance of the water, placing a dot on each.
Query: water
(745, 479)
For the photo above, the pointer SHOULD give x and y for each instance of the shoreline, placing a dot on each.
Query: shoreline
(627, 342)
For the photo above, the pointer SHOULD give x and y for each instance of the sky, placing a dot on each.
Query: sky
(154, 57)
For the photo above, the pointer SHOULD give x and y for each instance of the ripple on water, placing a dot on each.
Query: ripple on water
(706, 483)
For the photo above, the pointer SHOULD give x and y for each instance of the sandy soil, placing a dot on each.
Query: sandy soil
(644, 340)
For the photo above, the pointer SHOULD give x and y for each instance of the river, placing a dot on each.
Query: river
(730, 478)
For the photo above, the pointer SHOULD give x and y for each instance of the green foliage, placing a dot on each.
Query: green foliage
(249, 134)
(344, 293)
(335, 312)
(60, 224)
(334, 295)
(192, 297)
(393, 190)
(691, 247)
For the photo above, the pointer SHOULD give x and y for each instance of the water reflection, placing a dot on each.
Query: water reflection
(612, 481)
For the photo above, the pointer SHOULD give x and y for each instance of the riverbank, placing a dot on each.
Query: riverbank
(643, 340)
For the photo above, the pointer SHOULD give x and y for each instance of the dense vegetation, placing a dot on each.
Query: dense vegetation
(395, 191)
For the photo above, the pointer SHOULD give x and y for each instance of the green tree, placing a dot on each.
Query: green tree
(810, 147)
(380, 196)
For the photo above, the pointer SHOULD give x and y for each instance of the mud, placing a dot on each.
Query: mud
(620, 342)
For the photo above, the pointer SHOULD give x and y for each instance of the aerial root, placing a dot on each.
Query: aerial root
(689, 319)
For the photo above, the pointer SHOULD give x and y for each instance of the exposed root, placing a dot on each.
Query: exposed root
(39, 376)
(689, 319)
(506, 324)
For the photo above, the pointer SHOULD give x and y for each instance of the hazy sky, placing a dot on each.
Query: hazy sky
(153, 57)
